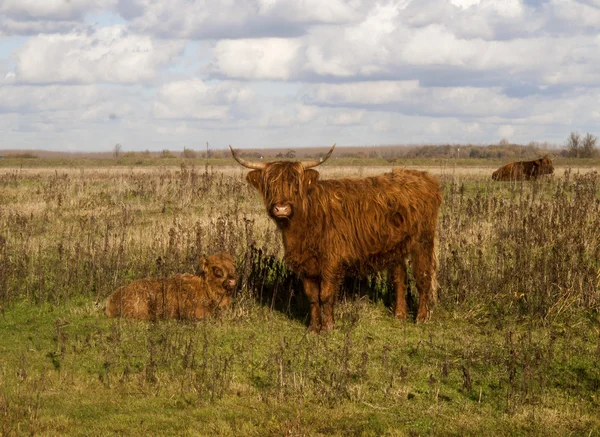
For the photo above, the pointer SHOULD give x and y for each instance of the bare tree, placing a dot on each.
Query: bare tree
(574, 145)
(117, 150)
(578, 147)
(588, 146)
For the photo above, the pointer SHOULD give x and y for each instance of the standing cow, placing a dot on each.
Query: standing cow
(332, 227)
(524, 170)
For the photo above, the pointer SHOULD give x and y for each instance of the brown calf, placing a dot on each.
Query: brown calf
(184, 297)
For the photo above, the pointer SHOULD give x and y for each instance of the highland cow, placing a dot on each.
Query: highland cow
(332, 228)
(181, 297)
(524, 170)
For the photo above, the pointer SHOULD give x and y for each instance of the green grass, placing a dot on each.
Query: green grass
(513, 347)
(67, 370)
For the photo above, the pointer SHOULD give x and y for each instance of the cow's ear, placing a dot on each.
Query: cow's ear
(311, 176)
(254, 178)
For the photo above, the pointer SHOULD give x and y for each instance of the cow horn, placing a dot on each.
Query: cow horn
(309, 164)
(253, 165)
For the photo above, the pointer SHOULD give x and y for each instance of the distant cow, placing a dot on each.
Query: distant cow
(334, 227)
(524, 170)
(183, 297)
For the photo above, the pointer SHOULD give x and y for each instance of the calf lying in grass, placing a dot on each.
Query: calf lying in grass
(182, 297)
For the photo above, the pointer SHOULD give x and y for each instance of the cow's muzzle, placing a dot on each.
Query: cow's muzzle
(281, 210)
(229, 284)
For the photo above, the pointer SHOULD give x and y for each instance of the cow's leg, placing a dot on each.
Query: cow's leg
(311, 288)
(329, 290)
(424, 263)
(399, 281)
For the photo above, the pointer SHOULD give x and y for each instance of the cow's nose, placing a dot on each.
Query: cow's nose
(282, 209)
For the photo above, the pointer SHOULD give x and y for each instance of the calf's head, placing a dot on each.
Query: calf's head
(283, 185)
(219, 271)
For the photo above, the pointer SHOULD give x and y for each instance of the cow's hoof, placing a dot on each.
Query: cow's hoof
(423, 317)
(313, 329)
(401, 315)
(326, 327)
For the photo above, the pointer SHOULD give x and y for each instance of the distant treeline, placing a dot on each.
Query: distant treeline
(363, 152)
(462, 151)
(577, 147)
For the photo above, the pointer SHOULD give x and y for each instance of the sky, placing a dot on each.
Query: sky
(84, 75)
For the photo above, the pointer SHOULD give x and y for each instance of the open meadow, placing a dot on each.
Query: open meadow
(513, 347)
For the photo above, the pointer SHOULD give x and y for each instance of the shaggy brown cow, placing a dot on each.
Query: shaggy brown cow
(185, 297)
(524, 170)
(334, 227)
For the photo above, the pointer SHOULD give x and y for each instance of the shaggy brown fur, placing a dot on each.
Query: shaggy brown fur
(184, 296)
(334, 227)
(524, 170)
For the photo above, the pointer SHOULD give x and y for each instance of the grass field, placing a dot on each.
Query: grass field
(513, 347)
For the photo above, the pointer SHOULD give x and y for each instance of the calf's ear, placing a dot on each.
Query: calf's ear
(254, 178)
(203, 266)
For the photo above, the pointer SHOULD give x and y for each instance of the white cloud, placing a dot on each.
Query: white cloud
(10, 26)
(22, 17)
(365, 93)
(48, 98)
(384, 46)
(470, 129)
(383, 126)
(504, 8)
(507, 8)
(294, 115)
(506, 131)
(309, 11)
(264, 58)
(346, 118)
(325, 51)
(67, 103)
(574, 16)
(107, 54)
(465, 3)
(52, 9)
(195, 99)
(409, 97)
(358, 49)
(234, 19)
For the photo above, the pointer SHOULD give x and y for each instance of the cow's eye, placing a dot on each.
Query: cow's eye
(218, 272)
